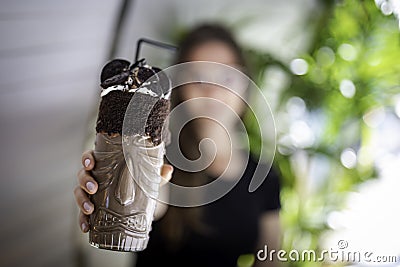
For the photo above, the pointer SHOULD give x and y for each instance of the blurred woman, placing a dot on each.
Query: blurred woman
(215, 234)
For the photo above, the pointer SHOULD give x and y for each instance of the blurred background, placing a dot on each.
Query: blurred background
(330, 70)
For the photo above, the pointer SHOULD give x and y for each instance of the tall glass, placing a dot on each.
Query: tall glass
(125, 201)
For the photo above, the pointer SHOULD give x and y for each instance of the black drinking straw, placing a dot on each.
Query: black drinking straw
(153, 43)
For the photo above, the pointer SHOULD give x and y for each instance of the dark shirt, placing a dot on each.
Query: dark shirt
(235, 219)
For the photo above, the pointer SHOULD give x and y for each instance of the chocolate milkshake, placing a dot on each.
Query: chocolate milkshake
(128, 185)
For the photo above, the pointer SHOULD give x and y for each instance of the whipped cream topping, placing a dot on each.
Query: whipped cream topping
(131, 82)
(142, 89)
(104, 92)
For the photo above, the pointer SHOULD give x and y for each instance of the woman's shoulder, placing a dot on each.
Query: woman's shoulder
(261, 168)
(268, 192)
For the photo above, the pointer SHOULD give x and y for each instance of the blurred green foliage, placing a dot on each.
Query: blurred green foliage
(355, 42)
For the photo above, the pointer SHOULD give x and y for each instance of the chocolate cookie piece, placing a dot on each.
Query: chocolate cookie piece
(114, 67)
(113, 105)
(112, 113)
(155, 127)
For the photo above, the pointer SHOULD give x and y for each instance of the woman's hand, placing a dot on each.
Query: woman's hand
(88, 186)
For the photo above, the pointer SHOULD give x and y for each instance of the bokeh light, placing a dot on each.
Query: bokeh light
(374, 117)
(299, 66)
(325, 56)
(347, 52)
(348, 158)
(347, 88)
(301, 134)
